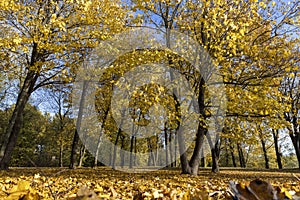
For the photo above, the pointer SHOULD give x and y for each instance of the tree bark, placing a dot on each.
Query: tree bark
(241, 156)
(232, 153)
(61, 149)
(74, 150)
(295, 137)
(215, 149)
(263, 144)
(115, 149)
(166, 145)
(277, 150)
(131, 150)
(16, 120)
(78, 124)
(82, 153)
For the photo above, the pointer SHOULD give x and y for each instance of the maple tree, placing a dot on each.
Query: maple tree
(47, 39)
(253, 44)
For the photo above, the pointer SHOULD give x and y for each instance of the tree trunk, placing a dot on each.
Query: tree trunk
(170, 150)
(203, 159)
(82, 153)
(115, 149)
(97, 150)
(263, 144)
(16, 120)
(78, 124)
(61, 149)
(166, 145)
(131, 150)
(226, 156)
(122, 151)
(232, 153)
(215, 149)
(296, 143)
(74, 150)
(277, 150)
(192, 166)
(295, 137)
(241, 156)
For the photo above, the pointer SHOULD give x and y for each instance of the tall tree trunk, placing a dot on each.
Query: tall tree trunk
(16, 120)
(61, 149)
(203, 159)
(78, 124)
(115, 149)
(74, 150)
(82, 153)
(241, 155)
(277, 150)
(263, 144)
(295, 137)
(131, 151)
(296, 142)
(122, 158)
(232, 153)
(170, 150)
(215, 149)
(192, 166)
(226, 155)
(95, 163)
(166, 145)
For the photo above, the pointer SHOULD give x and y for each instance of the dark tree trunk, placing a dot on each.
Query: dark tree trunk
(131, 151)
(263, 144)
(74, 150)
(16, 120)
(295, 137)
(241, 156)
(277, 150)
(296, 142)
(192, 166)
(226, 156)
(203, 159)
(215, 149)
(232, 153)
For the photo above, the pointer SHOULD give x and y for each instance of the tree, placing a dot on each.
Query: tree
(49, 38)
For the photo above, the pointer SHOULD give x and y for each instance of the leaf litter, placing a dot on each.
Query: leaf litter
(105, 183)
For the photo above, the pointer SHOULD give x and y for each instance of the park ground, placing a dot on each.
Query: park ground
(105, 183)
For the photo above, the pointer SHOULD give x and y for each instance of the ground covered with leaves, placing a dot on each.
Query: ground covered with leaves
(105, 183)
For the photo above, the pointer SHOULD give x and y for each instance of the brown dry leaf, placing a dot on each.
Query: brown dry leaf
(84, 193)
(262, 189)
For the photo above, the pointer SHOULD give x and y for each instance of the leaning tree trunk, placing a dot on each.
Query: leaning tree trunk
(16, 120)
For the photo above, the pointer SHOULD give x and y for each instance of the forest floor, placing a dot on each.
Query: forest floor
(105, 183)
